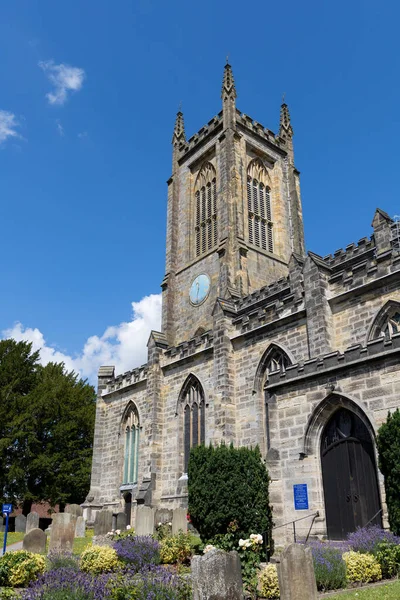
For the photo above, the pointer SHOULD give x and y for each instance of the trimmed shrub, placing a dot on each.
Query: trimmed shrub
(268, 582)
(388, 556)
(329, 566)
(176, 549)
(226, 485)
(366, 539)
(388, 444)
(98, 559)
(139, 552)
(362, 568)
(18, 569)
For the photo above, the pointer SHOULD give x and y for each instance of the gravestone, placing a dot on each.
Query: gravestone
(75, 510)
(296, 573)
(80, 527)
(103, 522)
(179, 520)
(35, 541)
(20, 523)
(217, 576)
(121, 521)
(62, 532)
(163, 515)
(144, 524)
(32, 521)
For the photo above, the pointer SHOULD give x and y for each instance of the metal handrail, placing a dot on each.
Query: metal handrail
(264, 534)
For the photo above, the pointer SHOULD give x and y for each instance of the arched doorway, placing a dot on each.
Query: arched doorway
(349, 475)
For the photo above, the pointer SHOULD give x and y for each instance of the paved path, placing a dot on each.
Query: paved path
(12, 547)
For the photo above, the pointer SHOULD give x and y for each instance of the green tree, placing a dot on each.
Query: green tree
(228, 484)
(46, 429)
(388, 443)
(18, 377)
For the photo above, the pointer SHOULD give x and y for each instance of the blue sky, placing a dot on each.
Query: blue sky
(88, 96)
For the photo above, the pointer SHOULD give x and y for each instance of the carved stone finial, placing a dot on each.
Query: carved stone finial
(285, 128)
(179, 129)
(228, 83)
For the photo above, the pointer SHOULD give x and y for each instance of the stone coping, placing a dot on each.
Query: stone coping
(353, 356)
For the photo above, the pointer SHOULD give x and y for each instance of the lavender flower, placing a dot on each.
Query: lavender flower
(138, 551)
(329, 567)
(68, 584)
(366, 539)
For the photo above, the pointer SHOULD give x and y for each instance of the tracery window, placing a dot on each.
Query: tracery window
(387, 323)
(131, 455)
(206, 228)
(259, 206)
(274, 359)
(194, 421)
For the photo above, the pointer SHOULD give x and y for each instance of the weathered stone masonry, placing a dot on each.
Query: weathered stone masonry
(281, 341)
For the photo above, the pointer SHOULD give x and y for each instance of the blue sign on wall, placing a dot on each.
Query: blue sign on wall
(300, 493)
(7, 508)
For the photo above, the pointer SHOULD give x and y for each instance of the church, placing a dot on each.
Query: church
(260, 343)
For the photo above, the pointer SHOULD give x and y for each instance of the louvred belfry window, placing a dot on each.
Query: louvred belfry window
(259, 206)
(206, 232)
(194, 420)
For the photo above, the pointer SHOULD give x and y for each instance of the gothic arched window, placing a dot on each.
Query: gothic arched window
(387, 322)
(273, 359)
(206, 232)
(259, 206)
(130, 427)
(194, 418)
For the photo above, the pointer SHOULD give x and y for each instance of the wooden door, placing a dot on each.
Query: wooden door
(349, 475)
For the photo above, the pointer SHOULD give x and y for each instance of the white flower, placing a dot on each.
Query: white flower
(253, 536)
(128, 527)
(118, 531)
(208, 548)
(159, 525)
(241, 543)
(170, 525)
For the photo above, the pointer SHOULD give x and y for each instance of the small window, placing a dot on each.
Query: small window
(387, 322)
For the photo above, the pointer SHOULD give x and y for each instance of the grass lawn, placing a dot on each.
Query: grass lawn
(387, 591)
(81, 543)
(12, 537)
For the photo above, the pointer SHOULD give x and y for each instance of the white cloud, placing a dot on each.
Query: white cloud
(60, 128)
(122, 345)
(64, 78)
(8, 125)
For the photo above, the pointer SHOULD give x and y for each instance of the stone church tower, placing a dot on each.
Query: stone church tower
(261, 342)
(234, 212)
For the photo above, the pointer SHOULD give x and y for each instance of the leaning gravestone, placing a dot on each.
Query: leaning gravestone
(35, 541)
(296, 574)
(74, 510)
(121, 521)
(62, 532)
(103, 522)
(80, 527)
(32, 521)
(217, 576)
(179, 520)
(144, 524)
(20, 523)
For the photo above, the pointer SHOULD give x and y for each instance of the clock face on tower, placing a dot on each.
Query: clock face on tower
(199, 289)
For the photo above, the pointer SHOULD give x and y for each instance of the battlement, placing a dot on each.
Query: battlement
(203, 133)
(354, 355)
(190, 347)
(351, 252)
(126, 379)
